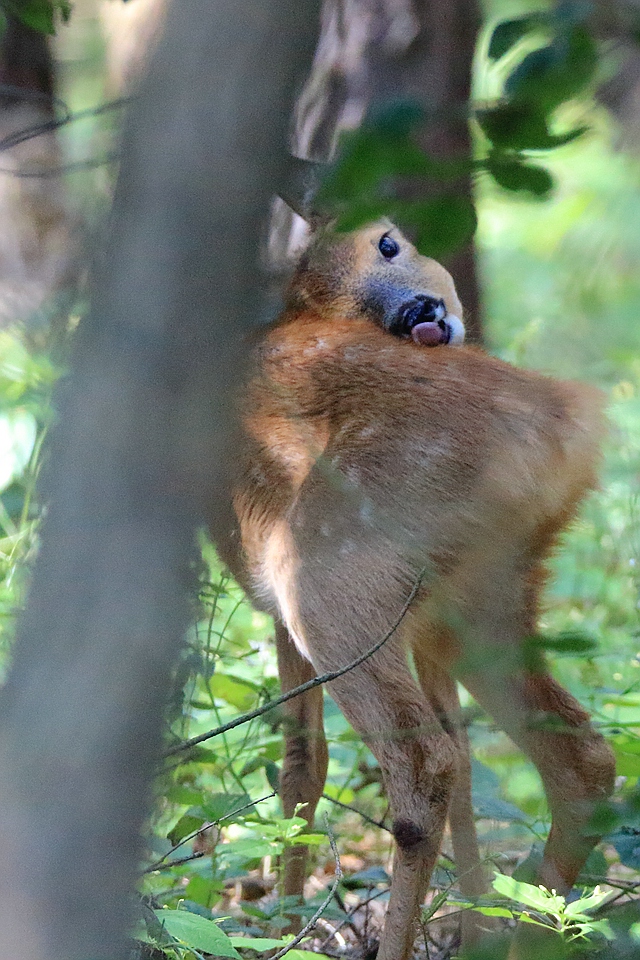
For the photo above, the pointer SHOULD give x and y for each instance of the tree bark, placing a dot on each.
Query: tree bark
(39, 241)
(131, 463)
(437, 70)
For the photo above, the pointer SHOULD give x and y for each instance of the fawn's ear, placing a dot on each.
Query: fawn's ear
(299, 189)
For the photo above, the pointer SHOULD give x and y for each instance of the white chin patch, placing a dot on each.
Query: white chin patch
(457, 329)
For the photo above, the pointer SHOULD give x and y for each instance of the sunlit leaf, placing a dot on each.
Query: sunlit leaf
(236, 691)
(197, 932)
(260, 944)
(579, 908)
(526, 893)
(17, 437)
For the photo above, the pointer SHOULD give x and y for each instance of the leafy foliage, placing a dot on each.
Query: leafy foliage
(572, 921)
(384, 160)
(40, 15)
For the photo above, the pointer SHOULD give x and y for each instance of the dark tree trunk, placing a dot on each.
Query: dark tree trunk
(38, 241)
(132, 461)
(436, 70)
(26, 67)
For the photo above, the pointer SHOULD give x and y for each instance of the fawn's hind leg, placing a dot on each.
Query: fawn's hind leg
(513, 685)
(442, 693)
(305, 760)
(419, 768)
(575, 763)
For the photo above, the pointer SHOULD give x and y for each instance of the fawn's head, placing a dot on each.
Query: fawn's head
(375, 272)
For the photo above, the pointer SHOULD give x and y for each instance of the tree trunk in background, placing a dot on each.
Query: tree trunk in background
(141, 427)
(38, 241)
(375, 50)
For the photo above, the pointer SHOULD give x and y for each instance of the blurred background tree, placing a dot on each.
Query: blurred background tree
(504, 139)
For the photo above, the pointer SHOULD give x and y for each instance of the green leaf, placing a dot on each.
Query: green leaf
(272, 771)
(566, 642)
(18, 431)
(396, 118)
(485, 789)
(197, 932)
(306, 955)
(526, 893)
(240, 693)
(487, 911)
(521, 126)
(186, 796)
(578, 908)
(366, 879)
(626, 841)
(222, 806)
(258, 943)
(443, 224)
(512, 174)
(601, 926)
(509, 32)
(37, 14)
(185, 826)
(627, 751)
(555, 73)
(203, 890)
(251, 848)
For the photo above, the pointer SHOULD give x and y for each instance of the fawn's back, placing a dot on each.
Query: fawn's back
(405, 457)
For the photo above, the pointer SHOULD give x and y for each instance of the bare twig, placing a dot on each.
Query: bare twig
(40, 96)
(178, 862)
(347, 920)
(161, 864)
(325, 903)
(43, 173)
(38, 129)
(363, 816)
(309, 685)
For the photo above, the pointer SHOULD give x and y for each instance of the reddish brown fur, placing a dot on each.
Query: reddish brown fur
(364, 459)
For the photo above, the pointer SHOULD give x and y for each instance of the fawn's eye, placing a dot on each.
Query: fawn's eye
(388, 247)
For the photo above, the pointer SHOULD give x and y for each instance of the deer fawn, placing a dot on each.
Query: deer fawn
(365, 458)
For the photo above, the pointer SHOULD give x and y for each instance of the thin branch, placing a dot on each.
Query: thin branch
(323, 906)
(72, 167)
(345, 806)
(309, 685)
(162, 865)
(24, 93)
(178, 862)
(347, 920)
(38, 129)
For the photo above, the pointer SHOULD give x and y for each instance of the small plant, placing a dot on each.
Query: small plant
(546, 908)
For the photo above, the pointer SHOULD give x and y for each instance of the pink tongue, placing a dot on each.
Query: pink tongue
(428, 334)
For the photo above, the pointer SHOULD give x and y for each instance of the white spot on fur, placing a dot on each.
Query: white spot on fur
(457, 329)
